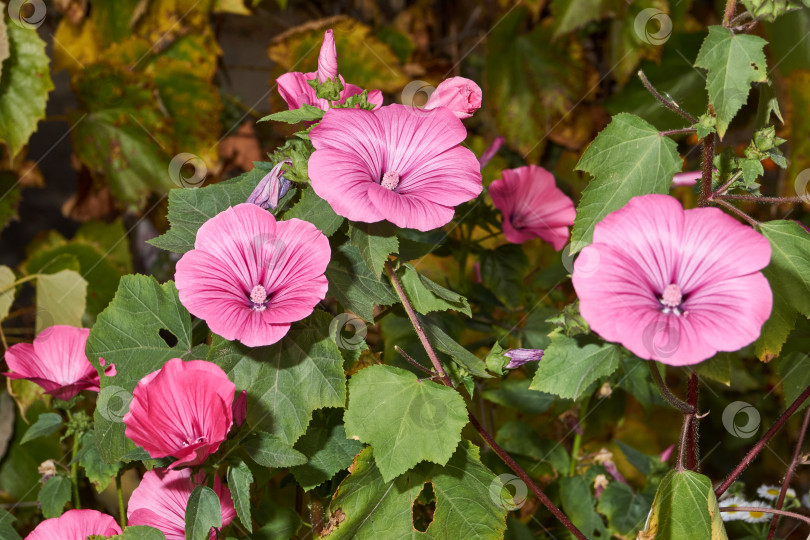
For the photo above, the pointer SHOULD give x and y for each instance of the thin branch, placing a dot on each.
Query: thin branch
(692, 420)
(511, 463)
(765, 510)
(735, 210)
(677, 131)
(708, 168)
(437, 365)
(762, 199)
(789, 474)
(731, 8)
(668, 103)
(687, 420)
(413, 362)
(757, 448)
(724, 187)
(671, 398)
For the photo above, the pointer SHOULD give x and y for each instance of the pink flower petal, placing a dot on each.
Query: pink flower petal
(75, 525)
(327, 58)
(672, 285)
(160, 501)
(462, 96)
(533, 206)
(182, 410)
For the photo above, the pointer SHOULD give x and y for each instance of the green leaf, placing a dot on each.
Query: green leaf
(190, 208)
(10, 200)
(404, 419)
(354, 286)
(617, 179)
(374, 241)
(239, 480)
(139, 532)
(278, 522)
(96, 469)
(54, 495)
(7, 520)
(4, 49)
(471, 502)
(127, 334)
(444, 343)
(515, 393)
(286, 381)
(733, 62)
(61, 299)
(503, 270)
(307, 113)
(685, 507)
(270, 451)
(518, 438)
(202, 513)
(46, 424)
(317, 211)
(427, 295)
(567, 369)
(7, 291)
(794, 370)
(24, 87)
(109, 239)
(789, 276)
(579, 505)
(326, 447)
(625, 509)
(572, 14)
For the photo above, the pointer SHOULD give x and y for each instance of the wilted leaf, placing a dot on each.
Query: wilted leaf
(61, 299)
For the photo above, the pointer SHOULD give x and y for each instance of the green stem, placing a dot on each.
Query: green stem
(19, 282)
(74, 468)
(122, 515)
(572, 467)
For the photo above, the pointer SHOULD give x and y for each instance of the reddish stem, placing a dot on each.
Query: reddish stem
(527, 479)
(757, 448)
(731, 7)
(708, 168)
(762, 199)
(511, 463)
(789, 474)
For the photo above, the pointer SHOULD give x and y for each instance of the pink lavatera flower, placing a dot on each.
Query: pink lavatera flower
(75, 525)
(296, 91)
(160, 501)
(674, 285)
(393, 163)
(249, 276)
(533, 206)
(460, 95)
(182, 410)
(55, 361)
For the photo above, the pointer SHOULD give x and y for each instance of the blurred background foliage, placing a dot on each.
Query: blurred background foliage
(99, 97)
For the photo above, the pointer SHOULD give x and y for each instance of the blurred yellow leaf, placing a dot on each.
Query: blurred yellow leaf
(236, 7)
(363, 59)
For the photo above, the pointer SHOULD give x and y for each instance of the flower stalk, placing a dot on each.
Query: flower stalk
(797, 456)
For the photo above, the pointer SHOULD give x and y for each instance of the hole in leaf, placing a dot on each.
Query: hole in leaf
(170, 339)
(423, 509)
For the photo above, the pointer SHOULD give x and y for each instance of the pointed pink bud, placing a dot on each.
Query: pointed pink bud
(665, 455)
(239, 408)
(327, 59)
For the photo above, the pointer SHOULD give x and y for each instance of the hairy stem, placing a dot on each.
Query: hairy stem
(797, 455)
(511, 463)
(708, 167)
(731, 8)
(671, 398)
(761, 199)
(719, 191)
(692, 455)
(733, 209)
(668, 103)
(765, 511)
(757, 448)
(677, 131)
(411, 361)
